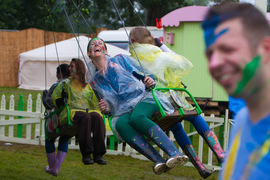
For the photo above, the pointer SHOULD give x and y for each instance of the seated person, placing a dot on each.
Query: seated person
(82, 103)
(62, 72)
(123, 93)
(161, 64)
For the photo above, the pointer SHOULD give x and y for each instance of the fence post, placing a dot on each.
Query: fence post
(11, 108)
(226, 130)
(221, 133)
(2, 118)
(20, 108)
(38, 110)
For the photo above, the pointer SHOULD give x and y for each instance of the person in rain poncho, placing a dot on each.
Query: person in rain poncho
(62, 72)
(169, 68)
(83, 107)
(123, 92)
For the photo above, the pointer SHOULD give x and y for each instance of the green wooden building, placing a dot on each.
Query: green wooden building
(183, 35)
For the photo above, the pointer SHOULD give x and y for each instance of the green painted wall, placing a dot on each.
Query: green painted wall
(189, 43)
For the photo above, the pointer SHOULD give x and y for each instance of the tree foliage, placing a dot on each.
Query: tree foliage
(112, 14)
(23, 14)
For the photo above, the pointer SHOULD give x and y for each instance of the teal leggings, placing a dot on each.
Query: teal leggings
(136, 122)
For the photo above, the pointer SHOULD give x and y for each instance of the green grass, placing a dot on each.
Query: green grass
(16, 92)
(28, 162)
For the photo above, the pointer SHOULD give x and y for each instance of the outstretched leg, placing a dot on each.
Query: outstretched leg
(139, 143)
(184, 142)
(140, 120)
(208, 135)
(194, 159)
(157, 135)
(212, 141)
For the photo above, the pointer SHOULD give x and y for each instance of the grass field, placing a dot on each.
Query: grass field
(18, 161)
(25, 162)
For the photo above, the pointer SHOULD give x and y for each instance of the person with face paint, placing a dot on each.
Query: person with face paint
(150, 51)
(123, 93)
(237, 38)
(83, 111)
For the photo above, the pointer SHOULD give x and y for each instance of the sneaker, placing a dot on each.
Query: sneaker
(87, 160)
(159, 168)
(176, 160)
(99, 159)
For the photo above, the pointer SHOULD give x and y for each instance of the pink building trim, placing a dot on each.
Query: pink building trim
(189, 13)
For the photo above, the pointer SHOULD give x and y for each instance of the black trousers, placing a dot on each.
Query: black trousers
(87, 123)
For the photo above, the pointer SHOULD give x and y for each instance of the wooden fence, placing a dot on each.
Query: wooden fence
(15, 42)
(26, 127)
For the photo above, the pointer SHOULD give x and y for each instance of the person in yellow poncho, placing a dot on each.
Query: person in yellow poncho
(83, 106)
(168, 68)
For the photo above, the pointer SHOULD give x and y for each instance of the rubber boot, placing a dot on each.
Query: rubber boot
(212, 141)
(157, 135)
(51, 160)
(194, 159)
(140, 144)
(58, 162)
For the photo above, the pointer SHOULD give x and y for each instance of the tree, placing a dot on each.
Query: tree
(23, 14)
(220, 1)
(159, 8)
(50, 15)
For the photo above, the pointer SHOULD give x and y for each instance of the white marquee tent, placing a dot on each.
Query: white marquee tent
(32, 63)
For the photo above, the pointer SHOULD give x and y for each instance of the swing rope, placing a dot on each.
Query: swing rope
(78, 42)
(123, 23)
(72, 29)
(45, 58)
(137, 13)
(83, 18)
(58, 61)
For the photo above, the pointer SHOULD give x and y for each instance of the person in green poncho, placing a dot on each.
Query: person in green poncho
(83, 107)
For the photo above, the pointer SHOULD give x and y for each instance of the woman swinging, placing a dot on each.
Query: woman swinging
(84, 113)
(123, 93)
(169, 68)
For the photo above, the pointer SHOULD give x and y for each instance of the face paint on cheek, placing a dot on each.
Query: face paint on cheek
(248, 73)
(90, 50)
(103, 49)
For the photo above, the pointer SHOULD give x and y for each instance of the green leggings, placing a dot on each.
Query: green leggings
(138, 121)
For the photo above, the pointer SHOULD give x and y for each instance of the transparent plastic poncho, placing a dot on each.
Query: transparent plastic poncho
(167, 68)
(79, 99)
(117, 85)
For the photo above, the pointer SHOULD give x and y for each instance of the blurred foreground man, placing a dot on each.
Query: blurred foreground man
(237, 38)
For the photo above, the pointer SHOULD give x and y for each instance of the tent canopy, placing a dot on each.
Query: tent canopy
(33, 66)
